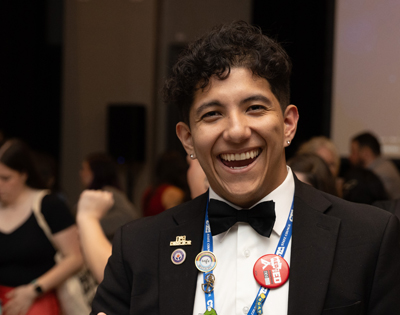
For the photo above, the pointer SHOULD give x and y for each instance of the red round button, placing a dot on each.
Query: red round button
(271, 271)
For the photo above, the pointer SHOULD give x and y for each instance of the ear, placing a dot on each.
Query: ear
(184, 134)
(290, 119)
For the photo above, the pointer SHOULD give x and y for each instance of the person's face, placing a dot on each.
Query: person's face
(355, 157)
(238, 133)
(12, 184)
(330, 160)
(86, 174)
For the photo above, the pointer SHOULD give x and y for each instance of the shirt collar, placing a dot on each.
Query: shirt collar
(282, 196)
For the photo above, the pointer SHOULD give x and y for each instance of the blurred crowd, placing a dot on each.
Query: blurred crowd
(30, 194)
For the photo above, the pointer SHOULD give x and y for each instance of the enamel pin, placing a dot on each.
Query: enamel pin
(180, 241)
(205, 261)
(178, 256)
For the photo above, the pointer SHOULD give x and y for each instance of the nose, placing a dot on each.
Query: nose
(237, 128)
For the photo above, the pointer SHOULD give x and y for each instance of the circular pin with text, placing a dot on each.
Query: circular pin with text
(178, 256)
(205, 261)
(271, 271)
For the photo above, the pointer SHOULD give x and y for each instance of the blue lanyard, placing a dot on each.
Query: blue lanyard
(208, 246)
(280, 251)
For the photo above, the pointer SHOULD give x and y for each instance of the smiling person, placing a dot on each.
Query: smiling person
(229, 251)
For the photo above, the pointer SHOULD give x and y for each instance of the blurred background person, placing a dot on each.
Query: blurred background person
(170, 187)
(28, 272)
(47, 168)
(325, 149)
(196, 178)
(92, 207)
(311, 169)
(99, 172)
(365, 151)
(363, 186)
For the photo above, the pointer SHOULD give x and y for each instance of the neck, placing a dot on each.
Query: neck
(20, 199)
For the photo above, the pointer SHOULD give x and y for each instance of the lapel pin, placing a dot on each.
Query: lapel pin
(180, 241)
(178, 256)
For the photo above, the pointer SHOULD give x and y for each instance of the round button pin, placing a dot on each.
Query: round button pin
(271, 271)
(178, 256)
(205, 261)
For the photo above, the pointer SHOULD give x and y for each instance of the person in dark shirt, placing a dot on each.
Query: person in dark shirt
(28, 272)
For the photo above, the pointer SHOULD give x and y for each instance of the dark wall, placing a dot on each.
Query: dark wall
(30, 74)
(305, 29)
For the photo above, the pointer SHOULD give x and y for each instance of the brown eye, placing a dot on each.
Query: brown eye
(210, 115)
(256, 107)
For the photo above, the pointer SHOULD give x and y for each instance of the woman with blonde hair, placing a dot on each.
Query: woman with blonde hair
(325, 149)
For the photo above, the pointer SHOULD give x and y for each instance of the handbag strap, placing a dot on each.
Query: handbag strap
(37, 204)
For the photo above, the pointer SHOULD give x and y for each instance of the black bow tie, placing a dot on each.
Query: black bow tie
(222, 216)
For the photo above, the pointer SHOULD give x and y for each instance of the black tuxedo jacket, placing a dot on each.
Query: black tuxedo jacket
(345, 260)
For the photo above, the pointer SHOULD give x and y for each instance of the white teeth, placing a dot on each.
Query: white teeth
(241, 156)
(238, 168)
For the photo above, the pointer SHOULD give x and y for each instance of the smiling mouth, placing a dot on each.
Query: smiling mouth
(239, 160)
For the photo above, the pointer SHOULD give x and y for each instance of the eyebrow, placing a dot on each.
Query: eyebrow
(203, 106)
(257, 97)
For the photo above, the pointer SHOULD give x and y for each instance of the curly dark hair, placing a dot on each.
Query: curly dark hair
(237, 44)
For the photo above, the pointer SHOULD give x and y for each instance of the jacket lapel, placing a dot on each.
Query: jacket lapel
(180, 280)
(313, 249)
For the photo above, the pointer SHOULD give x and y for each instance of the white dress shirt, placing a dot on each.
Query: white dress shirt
(237, 250)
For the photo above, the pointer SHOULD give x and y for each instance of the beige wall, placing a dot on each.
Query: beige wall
(111, 49)
(108, 58)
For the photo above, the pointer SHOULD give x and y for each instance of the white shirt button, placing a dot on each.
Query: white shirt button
(245, 310)
(247, 254)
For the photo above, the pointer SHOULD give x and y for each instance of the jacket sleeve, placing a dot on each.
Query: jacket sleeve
(113, 294)
(385, 292)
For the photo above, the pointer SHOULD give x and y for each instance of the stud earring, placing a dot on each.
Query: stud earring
(192, 156)
(288, 142)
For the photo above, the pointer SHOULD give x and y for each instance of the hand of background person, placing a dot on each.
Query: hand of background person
(20, 300)
(94, 204)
